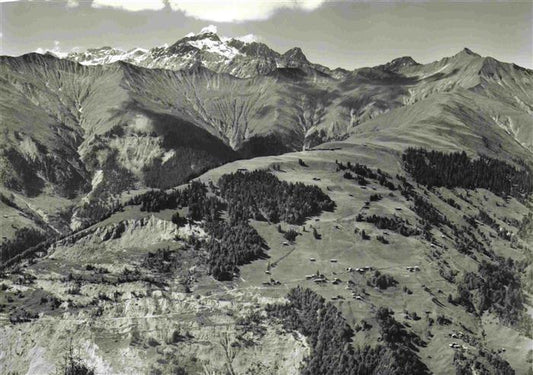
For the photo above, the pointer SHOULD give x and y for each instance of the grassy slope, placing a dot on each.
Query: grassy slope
(292, 264)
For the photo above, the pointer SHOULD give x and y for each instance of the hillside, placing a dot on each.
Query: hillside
(98, 289)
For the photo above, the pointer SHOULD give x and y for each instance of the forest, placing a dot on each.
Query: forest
(24, 239)
(434, 168)
(330, 336)
(396, 224)
(255, 195)
(261, 195)
(362, 172)
(231, 246)
(499, 288)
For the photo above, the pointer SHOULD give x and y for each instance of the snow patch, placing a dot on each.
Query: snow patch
(208, 29)
(248, 38)
(215, 47)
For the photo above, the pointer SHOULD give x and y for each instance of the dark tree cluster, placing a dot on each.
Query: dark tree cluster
(24, 239)
(402, 345)
(395, 224)
(381, 280)
(155, 200)
(161, 261)
(290, 235)
(330, 339)
(95, 211)
(434, 168)
(362, 172)
(201, 206)
(259, 195)
(484, 363)
(499, 288)
(376, 197)
(8, 202)
(74, 365)
(328, 335)
(231, 246)
(250, 195)
(428, 213)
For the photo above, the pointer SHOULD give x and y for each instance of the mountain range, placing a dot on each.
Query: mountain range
(85, 134)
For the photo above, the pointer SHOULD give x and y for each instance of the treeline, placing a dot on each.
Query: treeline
(395, 224)
(434, 168)
(499, 289)
(401, 346)
(250, 195)
(428, 213)
(260, 195)
(329, 337)
(328, 334)
(362, 172)
(24, 239)
(483, 363)
(194, 196)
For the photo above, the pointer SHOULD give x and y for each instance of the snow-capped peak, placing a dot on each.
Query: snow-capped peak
(211, 29)
(249, 38)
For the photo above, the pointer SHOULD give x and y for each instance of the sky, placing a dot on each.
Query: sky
(347, 34)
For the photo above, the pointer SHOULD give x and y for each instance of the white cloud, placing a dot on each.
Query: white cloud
(249, 38)
(239, 10)
(56, 50)
(209, 10)
(72, 3)
(130, 5)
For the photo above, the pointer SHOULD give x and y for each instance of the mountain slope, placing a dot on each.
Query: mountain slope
(82, 134)
(170, 308)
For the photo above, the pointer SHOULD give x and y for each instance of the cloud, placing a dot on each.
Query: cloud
(56, 50)
(249, 38)
(130, 5)
(212, 10)
(239, 10)
(208, 10)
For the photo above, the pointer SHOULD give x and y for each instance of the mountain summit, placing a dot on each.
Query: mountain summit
(242, 57)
